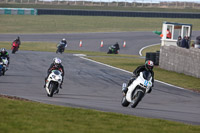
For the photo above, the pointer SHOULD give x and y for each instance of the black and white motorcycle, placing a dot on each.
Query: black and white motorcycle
(4, 65)
(136, 91)
(53, 82)
(61, 47)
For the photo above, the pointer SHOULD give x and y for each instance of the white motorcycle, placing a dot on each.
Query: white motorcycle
(53, 82)
(136, 91)
(4, 65)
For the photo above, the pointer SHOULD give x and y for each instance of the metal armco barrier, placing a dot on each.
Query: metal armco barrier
(18, 11)
(116, 13)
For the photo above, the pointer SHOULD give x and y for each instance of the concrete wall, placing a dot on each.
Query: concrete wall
(180, 60)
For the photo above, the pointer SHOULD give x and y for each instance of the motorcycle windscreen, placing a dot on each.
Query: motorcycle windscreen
(56, 72)
(146, 75)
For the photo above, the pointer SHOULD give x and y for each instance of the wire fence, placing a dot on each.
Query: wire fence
(195, 4)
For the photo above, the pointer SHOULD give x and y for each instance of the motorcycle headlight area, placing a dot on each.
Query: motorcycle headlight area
(143, 86)
(56, 77)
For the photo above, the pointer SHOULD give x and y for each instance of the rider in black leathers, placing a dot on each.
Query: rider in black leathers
(148, 66)
(17, 41)
(114, 49)
(56, 65)
(4, 53)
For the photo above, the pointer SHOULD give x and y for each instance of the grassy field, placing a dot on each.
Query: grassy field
(119, 8)
(18, 116)
(71, 24)
(154, 48)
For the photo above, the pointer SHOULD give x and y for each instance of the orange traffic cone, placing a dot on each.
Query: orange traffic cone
(101, 44)
(80, 45)
(124, 45)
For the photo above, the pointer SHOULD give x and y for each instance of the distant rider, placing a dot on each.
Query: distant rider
(17, 41)
(114, 49)
(56, 65)
(116, 46)
(4, 53)
(63, 42)
(148, 66)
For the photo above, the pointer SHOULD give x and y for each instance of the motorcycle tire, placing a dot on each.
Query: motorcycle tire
(124, 102)
(3, 72)
(13, 51)
(137, 99)
(52, 88)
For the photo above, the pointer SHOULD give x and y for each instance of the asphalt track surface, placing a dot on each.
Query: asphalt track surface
(95, 86)
(91, 41)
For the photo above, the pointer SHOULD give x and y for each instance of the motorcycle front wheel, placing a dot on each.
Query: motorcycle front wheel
(52, 88)
(124, 102)
(137, 98)
(14, 50)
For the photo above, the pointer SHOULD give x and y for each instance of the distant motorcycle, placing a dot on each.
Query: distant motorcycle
(136, 91)
(15, 47)
(53, 82)
(113, 50)
(4, 65)
(61, 48)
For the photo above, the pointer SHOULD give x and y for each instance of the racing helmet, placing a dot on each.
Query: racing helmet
(18, 38)
(57, 61)
(63, 40)
(149, 65)
(3, 50)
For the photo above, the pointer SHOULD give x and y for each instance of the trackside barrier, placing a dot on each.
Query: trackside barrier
(18, 11)
(117, 13)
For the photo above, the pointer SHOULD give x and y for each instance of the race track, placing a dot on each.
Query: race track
(91, 41)
(94, 86)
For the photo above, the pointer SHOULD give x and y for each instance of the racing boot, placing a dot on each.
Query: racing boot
(124, 89)
(45, 82)
(61, 86)
(150, 90)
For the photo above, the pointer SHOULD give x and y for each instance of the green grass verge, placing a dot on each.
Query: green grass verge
(18, 116)
(119, 8)
(126, 62)
(71, 24)
(154, 48)
(170, 77)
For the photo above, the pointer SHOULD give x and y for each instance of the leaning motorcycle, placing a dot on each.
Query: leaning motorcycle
(61, 48)
(1, 67)
(15, 47)
(112, 50)
(4, 65)
(136, 91)
(53, 82)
